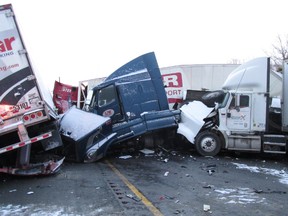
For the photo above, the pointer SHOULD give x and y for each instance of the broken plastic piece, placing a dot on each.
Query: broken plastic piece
(206, 207)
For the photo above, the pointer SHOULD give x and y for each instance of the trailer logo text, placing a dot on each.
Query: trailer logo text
(6, 47)
(172, 80)
(173, 86)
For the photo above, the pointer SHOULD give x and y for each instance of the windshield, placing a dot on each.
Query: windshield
(224, 101)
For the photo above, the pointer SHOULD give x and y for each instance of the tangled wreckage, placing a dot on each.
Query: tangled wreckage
(130, 107)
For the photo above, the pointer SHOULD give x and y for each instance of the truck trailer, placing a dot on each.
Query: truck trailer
(249, 113)
(28, 124)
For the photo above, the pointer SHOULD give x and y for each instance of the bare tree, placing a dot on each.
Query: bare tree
(279, 52)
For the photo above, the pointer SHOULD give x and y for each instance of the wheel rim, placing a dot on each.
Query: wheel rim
(208, 144)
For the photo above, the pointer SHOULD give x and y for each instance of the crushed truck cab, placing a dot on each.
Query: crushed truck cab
(133, 102)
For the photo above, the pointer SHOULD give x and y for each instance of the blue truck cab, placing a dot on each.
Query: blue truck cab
(134, 99)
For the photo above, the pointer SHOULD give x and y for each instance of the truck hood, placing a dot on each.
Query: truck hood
(76, 123)
(192, 115)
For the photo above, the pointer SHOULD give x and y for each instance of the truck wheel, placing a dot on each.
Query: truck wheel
(207, 144)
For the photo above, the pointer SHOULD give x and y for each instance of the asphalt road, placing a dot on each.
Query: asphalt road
(159, 183)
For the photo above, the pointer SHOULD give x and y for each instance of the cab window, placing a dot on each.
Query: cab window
(244, 101)
(107, 95)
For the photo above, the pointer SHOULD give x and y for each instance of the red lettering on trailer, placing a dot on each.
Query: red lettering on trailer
(174, 92)
(6, 45)
(173, 80)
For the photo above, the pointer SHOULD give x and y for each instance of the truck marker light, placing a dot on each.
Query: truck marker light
(26, 118)
(34, 140)
(33, 116)
(9, 148)
(3, 114)
(45, 136)
(39, 114)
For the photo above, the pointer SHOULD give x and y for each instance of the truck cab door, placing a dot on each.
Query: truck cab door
(239, 113)
(106, 102)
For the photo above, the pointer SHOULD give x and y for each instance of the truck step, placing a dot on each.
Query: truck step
(274, 144)
(275, 152)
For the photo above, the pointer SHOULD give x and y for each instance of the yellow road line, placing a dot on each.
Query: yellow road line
(144, 200)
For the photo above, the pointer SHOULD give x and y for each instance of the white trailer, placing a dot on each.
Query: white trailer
(27, 118)
(203, 77)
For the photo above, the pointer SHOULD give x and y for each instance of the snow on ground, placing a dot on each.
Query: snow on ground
(281, 174)
(238, 196)
(43, 210)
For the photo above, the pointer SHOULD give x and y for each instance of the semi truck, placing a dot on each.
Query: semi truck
(129, 107)
(29, 130)
(249, 113)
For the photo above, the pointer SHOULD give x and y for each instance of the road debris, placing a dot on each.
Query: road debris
(133, 197)
(209, 168)
(206, 208)
(166, 160)
(208, 186)
(166, 173)
(125, 157)
(147, 152)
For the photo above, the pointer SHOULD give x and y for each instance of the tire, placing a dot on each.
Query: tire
(207, 144)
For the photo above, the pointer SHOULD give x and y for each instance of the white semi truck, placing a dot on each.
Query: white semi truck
(28, 123)
(250, 113)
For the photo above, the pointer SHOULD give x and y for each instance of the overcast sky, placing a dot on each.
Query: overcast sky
(80, 40)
